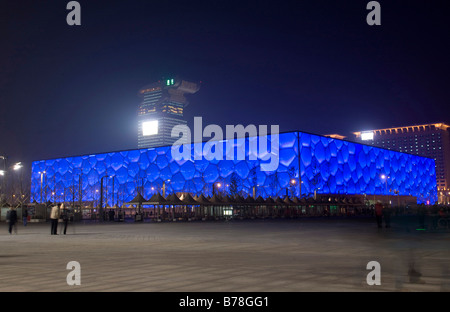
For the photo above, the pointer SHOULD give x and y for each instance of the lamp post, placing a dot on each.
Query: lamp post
(164, 188)
(4, 162)
(95, 199)
(214, 187)
(315, 193)
(100, 210)
(292, 183)
(17, 167)
(300, 187)
(42, 180)
(3, 174)
(385, 178)
(113, 199)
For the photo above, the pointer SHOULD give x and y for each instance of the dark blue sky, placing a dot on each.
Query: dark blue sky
(310, 65)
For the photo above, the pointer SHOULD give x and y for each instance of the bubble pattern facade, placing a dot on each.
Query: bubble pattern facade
(328, 166)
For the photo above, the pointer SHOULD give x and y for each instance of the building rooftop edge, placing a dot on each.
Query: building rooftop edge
(439, 125)
(285, 132)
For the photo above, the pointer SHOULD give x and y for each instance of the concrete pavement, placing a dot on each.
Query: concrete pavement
(300, 255)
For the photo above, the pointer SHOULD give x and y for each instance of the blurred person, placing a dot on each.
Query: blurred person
(387, 216)
(434, 216)
(64, 217)
(54, 217)
(11, 217)
(421, 213)
(379, 213)
(25, 216)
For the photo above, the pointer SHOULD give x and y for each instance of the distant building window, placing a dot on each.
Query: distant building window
(150, 127)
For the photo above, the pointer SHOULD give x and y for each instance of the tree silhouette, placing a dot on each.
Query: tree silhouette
(274, 183)
(292, 186)
(316, 182)
(235, 184)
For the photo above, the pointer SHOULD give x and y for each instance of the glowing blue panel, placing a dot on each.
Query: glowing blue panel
(326, 165)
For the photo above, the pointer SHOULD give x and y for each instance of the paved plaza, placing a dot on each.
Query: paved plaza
(298, 255)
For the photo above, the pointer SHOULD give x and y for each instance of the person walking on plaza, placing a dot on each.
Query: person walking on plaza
(434, 213)
(54, 217)
(24, 216)
(387, 216)
(12, 219)
(64, 217)
(379, 213)
(421, 211)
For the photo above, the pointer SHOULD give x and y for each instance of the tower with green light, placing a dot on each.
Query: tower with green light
(161, 108)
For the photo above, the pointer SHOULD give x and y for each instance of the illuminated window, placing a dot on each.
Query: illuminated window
(367, 136)
(150, 127)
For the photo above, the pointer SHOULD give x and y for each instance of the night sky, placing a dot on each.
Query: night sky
(314, 66)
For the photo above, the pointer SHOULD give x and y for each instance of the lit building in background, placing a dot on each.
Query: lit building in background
(161, 109)
(308, 165)
(336, 136)
(428, 140)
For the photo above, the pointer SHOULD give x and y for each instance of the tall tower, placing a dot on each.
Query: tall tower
(161, 109)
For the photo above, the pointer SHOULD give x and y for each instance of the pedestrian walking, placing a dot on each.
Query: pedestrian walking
(379, 213)
(54, 217)
(421, 211)
(387, 216)
(11, 217)
(434, 216)
(111, 215)
(25, 216)
(65, 218)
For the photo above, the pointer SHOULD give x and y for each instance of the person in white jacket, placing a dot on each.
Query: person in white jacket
(54, 217)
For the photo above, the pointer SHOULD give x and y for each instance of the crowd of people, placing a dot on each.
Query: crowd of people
(431, 216)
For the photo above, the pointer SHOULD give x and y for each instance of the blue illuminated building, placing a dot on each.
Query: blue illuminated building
(327, 166)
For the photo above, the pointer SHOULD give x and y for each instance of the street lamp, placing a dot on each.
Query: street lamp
(101, 197)
(214, 187)
(42, 179)
(95, 198)
(315, 193)
(17, 167)
(164, 188)
(385, 178)
(2, 173)
(113, 191)
(292, 182)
